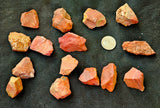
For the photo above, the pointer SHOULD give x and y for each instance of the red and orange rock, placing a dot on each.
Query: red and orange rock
(62, 20)
(60, 88)
(93, 18)
(89, 76)
(126, 16)
(68, 64)
(138, 48)
(19, 41)
(24, 69)
(30, 19)
(14, 86)
(71, 42)
(109, 77)
(134, 79)
(42, 45)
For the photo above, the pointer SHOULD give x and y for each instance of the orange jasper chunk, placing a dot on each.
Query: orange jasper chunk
(71, 42)
(14, 86)
(42, 45)
(24, 69)
(93, 18)
(126, 16)
(19, 41)
(89, 76)
(68, 64)
(60, 88)
(30, 19)
(138, 48)
(134, 79)
(109, 77)
(62, 20)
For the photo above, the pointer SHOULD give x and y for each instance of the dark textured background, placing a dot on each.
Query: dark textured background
(36, 91)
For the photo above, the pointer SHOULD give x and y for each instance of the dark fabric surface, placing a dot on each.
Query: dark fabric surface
(36, 91)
